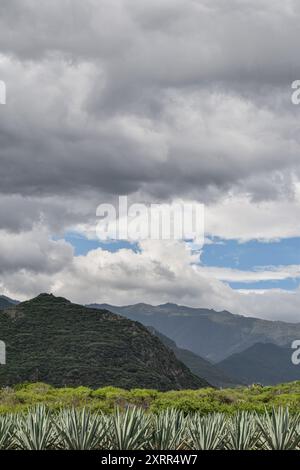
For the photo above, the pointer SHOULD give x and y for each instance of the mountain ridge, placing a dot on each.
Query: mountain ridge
(207, 333)
(51, 339)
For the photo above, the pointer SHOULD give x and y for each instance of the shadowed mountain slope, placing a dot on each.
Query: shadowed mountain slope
(267, 364)
(199, 366)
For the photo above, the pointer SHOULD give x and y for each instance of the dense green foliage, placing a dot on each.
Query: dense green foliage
(208, 400)
(133, 429)
(49, 339)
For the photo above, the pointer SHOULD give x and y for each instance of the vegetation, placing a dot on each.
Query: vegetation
(52, 340)
(203, 401)
(134, 429)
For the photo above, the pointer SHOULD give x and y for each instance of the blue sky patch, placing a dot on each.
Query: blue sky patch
(286, 284)
(232, 254)
(83, 245)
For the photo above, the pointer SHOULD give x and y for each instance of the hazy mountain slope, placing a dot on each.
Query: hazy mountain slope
(5, 303)
(199, 366)
(210, 334)
(12, 301)
(267, 364)
(52, 340)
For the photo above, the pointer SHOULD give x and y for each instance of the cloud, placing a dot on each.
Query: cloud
(148, 99)
(238, 217)
(160, 272)
(162, 100)
(261, 273)
(34, 252)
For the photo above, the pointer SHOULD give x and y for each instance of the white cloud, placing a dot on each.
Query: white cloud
(33, 251)
(160, 272)
(261, 273)
(238, 217)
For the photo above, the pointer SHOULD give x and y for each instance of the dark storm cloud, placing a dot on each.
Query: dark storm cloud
(175, 42)
(162, 99)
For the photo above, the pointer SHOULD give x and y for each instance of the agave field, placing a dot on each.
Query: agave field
(133, 429)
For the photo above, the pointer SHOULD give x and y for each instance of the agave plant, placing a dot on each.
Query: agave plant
(130, 429)
(6, 432)
(168, 430)
(207, 432)
(242, 431)
(81, 430)
(279, 430)
(135, 429)
(35, 430)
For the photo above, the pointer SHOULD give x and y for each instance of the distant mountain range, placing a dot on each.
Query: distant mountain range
(199, 366)
(11, 301)
(223, 348)
(4, 303)
(207, 333)
(264, 363)
(52, 340)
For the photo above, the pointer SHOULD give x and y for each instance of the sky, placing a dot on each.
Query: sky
(165, 100)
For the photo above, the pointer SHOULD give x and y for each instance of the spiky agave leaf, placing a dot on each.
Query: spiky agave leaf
(35, 430)
(207, 432)
(81, 430)
(168, 430)
(279, 430)
(243, 433)
(6, 432)
(130, 429)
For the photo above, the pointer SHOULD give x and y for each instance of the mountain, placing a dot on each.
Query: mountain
(263, 363)
(5, 302)
(50, 339)
(12, 301)
(199, 366)
(209, 334)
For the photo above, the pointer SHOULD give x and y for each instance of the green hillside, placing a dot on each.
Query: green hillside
(50, 339)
